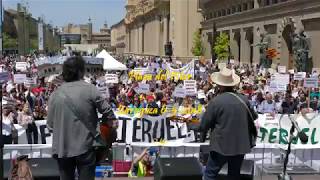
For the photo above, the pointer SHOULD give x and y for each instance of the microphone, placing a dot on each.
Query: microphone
(302, 136)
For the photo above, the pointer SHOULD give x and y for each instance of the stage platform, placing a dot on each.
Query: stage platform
(317, 177)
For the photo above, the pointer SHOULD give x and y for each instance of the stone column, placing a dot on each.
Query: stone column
(165, 30)
(244, 46)
(234, 47)
(157, 36)
(256, 40)
(256, 4)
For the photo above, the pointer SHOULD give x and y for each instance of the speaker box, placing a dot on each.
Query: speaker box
(168, 49)
(246, 173)
(177, 168)
(41, 168)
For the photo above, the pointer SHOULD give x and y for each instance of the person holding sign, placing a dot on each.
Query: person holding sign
(231, 120)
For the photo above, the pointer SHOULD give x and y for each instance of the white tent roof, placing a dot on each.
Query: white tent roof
(109, 62)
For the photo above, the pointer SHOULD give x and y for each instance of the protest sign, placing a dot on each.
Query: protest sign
(112, 79)
(19, 78)
(103, 88)
(143, 88)
(4, 76)
(179, 92)
(282, 69)
(299, 76)
(291, 71)
(281, 78)
(190, 87)
(30, 82)
(22, 66)
(311, 82)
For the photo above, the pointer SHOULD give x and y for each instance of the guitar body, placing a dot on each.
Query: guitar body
(109, 135)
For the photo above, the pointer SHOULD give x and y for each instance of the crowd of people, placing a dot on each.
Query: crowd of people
(24, 105)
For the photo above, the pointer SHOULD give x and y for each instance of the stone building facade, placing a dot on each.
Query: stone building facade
(150, 24)
(245, 20)
(20, 25)
(118, 37)
(87, 36)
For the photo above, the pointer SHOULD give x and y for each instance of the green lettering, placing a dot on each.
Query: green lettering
(305, 130)
(264, 133)
(283, 136)
(313, 135)
(272, 137)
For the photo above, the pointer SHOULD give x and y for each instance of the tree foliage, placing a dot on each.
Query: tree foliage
(9, 42)
(197, 49)
(221, 47)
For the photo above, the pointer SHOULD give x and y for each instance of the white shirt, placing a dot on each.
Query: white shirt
(7, 124)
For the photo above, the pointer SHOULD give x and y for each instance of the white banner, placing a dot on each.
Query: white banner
(184, 73)
(131, 129)
(19, 78)
(112, 79)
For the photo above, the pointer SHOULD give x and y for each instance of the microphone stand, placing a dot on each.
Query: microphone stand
(284, 175)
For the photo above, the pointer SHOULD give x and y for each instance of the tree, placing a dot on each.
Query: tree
(221, 47)
(9, 42)
(197, 49)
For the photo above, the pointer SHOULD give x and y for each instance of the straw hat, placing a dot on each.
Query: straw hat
(226, 78)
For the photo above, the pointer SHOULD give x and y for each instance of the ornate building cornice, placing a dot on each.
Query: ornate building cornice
(144, 10)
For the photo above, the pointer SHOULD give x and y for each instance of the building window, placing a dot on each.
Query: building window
(267, 2)
(223, 12)
(233, 10)
(251, 4)
(219, 13)
(239, 8)
(215, 14)
(228, 11)
(245, 6)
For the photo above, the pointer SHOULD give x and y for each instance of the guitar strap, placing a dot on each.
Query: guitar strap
(79, 115)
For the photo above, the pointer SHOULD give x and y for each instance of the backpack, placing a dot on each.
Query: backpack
(20, 169)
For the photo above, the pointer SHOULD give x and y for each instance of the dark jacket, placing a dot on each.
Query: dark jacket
(227, 118)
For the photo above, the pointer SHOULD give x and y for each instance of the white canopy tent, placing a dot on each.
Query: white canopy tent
(110, 63)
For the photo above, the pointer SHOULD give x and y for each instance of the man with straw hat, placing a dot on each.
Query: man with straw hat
(231, 122)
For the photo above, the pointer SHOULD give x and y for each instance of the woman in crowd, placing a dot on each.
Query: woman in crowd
(26, 120)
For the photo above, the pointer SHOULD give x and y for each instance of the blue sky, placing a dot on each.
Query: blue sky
(62, 12)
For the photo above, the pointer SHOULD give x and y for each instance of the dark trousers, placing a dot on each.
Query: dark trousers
(216, 161)
(32, 130)
(7, 139)
(85, 164)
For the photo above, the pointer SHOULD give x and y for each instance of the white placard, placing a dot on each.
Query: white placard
(30, 82)
(282, 69)
(22, 66)
(311, 82)
(291, 71)
(19, 78)
(190, 87)
(112, 79)
(281, 78)
(143, 88)
(179, 92)
(299, 76)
